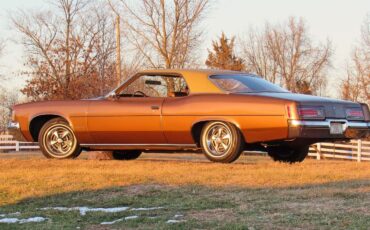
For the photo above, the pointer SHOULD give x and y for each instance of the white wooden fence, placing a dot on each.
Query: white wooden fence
(354, 150)
(358, 150)
(18, 146)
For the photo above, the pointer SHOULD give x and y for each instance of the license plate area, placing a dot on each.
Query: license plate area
(336, 128)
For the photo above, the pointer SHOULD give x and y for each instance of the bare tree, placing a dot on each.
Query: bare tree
(7, 100)
(356, 86)
(166, 33)
(65, 61)
(286, 54)
(258, 58)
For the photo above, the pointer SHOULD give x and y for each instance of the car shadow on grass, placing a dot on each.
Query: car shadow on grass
(340, 205)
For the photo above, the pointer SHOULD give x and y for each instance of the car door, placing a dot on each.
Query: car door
(130, 119)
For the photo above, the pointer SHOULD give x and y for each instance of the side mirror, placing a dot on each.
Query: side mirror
(112, 96)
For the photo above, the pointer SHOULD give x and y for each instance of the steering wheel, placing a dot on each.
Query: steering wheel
(139, 93)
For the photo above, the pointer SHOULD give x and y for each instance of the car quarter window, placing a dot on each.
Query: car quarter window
(245, 84)
(156, 86)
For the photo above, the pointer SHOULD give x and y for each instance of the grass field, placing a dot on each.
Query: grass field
(187, 191)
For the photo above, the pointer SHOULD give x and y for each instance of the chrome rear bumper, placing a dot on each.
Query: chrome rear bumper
(321, 129)
(326, 124)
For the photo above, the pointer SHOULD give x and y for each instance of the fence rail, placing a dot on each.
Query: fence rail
(18, 145)
(358, 150)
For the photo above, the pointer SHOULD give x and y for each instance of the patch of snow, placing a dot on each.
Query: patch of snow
(111, 222)
(174, 221)
(131, 217)
(14, 214)
(10, 214)
(107, 210)
(32, 220)
(84, 210)
(119, 220)
(22, 221)
(178, 216)
(146, 209)
(9, 220)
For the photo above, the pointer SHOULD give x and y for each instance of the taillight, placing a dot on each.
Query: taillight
(354, 114)
(366, 111)
(311, 113)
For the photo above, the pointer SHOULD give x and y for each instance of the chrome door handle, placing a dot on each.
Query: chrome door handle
(155, 107)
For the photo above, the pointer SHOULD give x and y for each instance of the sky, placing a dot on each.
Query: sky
(337, 20)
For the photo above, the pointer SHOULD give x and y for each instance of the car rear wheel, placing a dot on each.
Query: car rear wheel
(126, 155)
(288, 154)
(221, 142)
(57, 140)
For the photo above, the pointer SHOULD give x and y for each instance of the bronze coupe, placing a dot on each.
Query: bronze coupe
(221, 113)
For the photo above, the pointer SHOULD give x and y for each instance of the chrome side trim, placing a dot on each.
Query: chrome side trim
(143, 146)
(183, 145)
(13, 125)
(326, 123)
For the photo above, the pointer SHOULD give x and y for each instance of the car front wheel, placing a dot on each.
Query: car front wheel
(222, 142)
(288, 154)
(57, 140)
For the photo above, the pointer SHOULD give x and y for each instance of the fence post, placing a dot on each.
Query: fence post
(318, 156)
(17, 146)
(359, 150)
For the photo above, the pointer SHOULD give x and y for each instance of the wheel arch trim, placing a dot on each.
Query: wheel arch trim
(52, 116)
(202, 121)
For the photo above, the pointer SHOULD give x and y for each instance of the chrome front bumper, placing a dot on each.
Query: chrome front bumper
(321, 129)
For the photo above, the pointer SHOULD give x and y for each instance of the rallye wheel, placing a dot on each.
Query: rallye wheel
(221, 142)
(126, 155)
(288, 154)
(57, 140)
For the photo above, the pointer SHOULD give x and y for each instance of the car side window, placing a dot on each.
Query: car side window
(156, 86)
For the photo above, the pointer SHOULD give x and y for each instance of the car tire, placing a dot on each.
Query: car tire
(57, 140)
(288, 154)
(221, 142)
(126, 155)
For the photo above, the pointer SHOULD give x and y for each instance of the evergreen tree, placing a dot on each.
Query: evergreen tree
(222, 56)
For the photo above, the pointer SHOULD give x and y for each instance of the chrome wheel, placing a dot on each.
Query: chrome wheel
(219, 139)
(59, 141)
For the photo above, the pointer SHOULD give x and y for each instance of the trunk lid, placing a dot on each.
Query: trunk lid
(334, 108)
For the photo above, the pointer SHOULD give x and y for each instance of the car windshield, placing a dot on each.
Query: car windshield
(245, 84)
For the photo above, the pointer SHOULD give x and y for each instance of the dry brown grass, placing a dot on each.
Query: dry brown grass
(36, 177)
